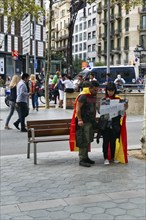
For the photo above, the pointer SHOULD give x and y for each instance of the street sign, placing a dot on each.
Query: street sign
(35, 64)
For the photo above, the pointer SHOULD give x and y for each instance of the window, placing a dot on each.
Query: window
(84, 56)
(85, 36)
(126, 43)
(89, 23)
(85, 25)
(143, 22)
(89, 36)
(80, 27)
(127, 24)
(62, 13)
(60, 25)
(76, 28)
(143, 41)
(80, 47)
(80, 56)
(89, 11)
(93, 47)
(80, 37)
(89, 48)
(76, 48)
(94, 34)
(94, 9)
(76, 38)
(84, 46)
(94, 21)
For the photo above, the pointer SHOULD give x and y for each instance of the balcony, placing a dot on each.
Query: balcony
(112, 18)
(118, 32)
(64, 37)
(126, 49)
(105, 7)
(103, 53)
(126, 62)
(117, 50)
(99, 37)
(104, 20)
(99, 10)
(141, 28)
(66, 25)
(118, 16)
(60, 48)
(142, 10)
(103, 36)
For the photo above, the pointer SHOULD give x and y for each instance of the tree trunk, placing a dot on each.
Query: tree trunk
(143, 138)
(47, 76)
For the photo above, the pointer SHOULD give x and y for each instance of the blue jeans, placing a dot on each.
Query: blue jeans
(35, 102)
(11, 112)
(23, 111)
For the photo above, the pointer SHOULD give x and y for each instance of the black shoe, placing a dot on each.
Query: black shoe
(90, 161)
(24, 130)
(84, 163)
(16, 125)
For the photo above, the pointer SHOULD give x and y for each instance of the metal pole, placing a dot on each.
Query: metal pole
(108, 37)
(14, 64)
(35, 61)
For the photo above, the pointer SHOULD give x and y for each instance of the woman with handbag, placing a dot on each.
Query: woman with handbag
(12, 99)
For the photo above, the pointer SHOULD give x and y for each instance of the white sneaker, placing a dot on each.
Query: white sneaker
(106, 162)
(116, 161)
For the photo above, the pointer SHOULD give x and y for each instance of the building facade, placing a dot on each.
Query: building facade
(127, 30)
(25, 38)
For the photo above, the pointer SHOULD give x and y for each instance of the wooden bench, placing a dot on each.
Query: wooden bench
(42, 131)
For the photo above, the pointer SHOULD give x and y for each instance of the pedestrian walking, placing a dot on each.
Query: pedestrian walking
(34, 89)
(83, 121)
(112, 129)
(12, 99)
(22, 102)
(61, 88)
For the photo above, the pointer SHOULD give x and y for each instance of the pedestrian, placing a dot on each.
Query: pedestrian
(61, 88)
(2, 83)
(79, 83)
(83, 121)
(54, 87)
(22, 102)
(108, 79)
(69, 85)
(92, 77)
(34, 89)
(112, 129)
(12, 99)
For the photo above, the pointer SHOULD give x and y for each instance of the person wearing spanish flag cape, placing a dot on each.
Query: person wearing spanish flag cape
(114, 133)
(83, 121)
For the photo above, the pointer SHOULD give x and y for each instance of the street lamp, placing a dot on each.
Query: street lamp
(138, 53)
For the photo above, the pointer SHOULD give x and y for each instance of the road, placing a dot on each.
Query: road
(14, 142)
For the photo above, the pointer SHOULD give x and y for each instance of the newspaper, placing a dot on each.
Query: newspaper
(111, 107)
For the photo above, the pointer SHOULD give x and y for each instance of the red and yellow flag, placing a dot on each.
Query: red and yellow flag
(121, 145)
(72, 140)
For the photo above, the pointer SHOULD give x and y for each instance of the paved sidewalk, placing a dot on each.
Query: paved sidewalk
(57, 188)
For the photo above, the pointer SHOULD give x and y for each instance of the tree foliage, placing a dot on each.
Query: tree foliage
(16, 9)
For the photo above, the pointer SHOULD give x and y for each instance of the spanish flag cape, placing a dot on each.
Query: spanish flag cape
(121, 144)
(72, 139)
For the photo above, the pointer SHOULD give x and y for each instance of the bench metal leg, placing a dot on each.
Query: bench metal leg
(35, 154)
(28, 150)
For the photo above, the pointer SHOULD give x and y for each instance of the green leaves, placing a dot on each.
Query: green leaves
(16, 9)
